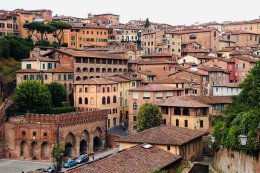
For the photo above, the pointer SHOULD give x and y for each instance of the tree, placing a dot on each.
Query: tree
(34, 28)
(58, 155)
(148, 116)
(4, 47)
(242, 117)
(15, 47)
(58, 93)
(147, 23)
(32, 96)
(60, 27)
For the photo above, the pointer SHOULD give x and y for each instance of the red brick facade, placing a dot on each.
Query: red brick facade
(32, 137)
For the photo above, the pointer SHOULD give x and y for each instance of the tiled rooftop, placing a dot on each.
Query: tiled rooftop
(163, 135)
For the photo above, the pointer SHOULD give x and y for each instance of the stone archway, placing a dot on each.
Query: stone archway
(83, 148)
(34, 150)
(45, 150)
(23, 149)
(84, 140)
(97, 140)
(70, 145)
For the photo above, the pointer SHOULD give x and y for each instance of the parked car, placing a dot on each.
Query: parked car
(51, 169)
(82, 159)
(41, 170)
(70, 163)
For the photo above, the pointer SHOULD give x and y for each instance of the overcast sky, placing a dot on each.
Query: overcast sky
(173, 12)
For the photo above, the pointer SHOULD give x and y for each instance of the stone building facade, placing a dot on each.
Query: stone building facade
(32, 136)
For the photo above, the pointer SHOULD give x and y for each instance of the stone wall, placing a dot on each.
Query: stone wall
(227, 161)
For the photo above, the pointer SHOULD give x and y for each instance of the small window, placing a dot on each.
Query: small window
(186, 123)
(168, 148)
(177, 122)
(201, 123)
(34, 133)
(45, 134)
(23, 133)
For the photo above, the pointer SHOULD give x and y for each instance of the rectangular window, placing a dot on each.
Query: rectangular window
(186, 123)
(169, 94)
(146, 95)
(177, 122)
(159, 95)
(69, 76)
(28, 66)
(31, 77)
(135, 95)
(134, 118)
(25, 77)
(43, 66)
(201, 123)
(49, 65)
(65, 77)
(59, 77)
(46, 77)
(168, 148)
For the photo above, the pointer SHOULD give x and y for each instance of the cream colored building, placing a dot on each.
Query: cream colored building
(161, 41)
(98, 93)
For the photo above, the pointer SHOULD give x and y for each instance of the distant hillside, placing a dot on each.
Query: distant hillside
(8, 67)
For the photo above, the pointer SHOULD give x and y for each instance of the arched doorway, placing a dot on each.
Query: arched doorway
(97, 143)
(84, 140)
(83, 148)
(45, 150)
(23, 149)
(70, 145)
(34, 150)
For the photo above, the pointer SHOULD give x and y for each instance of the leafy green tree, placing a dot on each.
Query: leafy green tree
(149, 116)
(43, 43)
(32, 96)
(58, 93)
(15, 47)
(242, 117)
(4, 48)
(60, 27)
(147, 23)
(58, 155)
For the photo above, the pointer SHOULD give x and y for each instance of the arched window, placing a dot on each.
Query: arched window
(109, 70)
(192, 37)
(78, 78)
(114, 99)
(85, 69)
(125, 70)
(97, 76)
(85, 77)
(92, 100)
(91, 70)
(103, 100)
(91, 77)
(97, 70)
(78, 70)
(80, 100)
(177, 111)
(86, 101)
(186, 111)
(115, 70)
(120, 70)
(108, 100)
(104, 70)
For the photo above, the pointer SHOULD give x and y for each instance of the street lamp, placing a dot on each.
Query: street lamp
(242, 139)
(212, 139)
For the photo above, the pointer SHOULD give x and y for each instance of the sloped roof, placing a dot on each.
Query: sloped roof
(164, 135)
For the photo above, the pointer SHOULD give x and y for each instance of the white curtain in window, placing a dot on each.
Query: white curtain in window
(146, 94)
(169, 94)
(159, 94)
(135, 95)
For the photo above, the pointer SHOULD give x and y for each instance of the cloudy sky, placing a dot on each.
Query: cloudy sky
(174, 12)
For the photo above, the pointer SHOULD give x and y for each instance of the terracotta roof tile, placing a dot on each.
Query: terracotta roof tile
(181, 101)
(164, 135)
(28, 71)
(43, 59)
(95, 81)
(212, 99)
(133, 160)
(155, 87)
